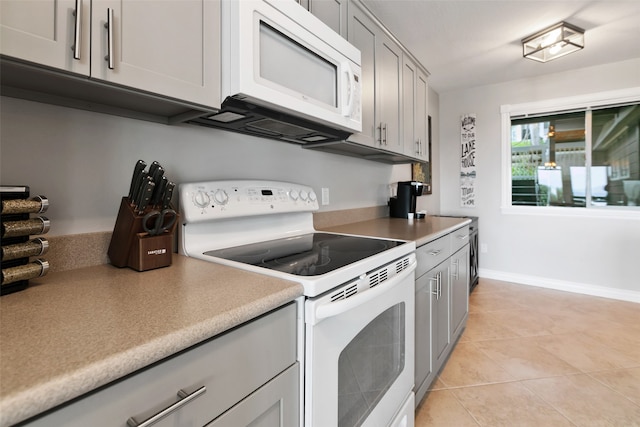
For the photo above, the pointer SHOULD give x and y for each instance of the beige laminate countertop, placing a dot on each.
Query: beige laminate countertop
(71, 332)
(421, 231)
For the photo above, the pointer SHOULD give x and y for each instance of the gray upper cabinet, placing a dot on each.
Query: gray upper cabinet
(331, 12)
(381, 79)
(394, 90)
(161, 61)
(164, 47)
(415, 95)
(389, 92)
(363, 34)
(409, 72)
(45, 32)
(169, 49)
(421, 115)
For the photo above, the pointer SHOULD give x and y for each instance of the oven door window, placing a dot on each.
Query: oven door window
(369, 365)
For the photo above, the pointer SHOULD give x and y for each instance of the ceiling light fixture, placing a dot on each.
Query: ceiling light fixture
(553, 42)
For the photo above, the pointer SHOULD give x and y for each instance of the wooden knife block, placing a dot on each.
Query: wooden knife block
(149, 252)
(132, 247)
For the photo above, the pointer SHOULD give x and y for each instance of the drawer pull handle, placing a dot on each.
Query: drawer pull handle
(462, 237)
(184, 399)
(435, 253)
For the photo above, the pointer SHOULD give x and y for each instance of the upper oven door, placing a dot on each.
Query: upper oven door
(360, 354)
(278, 55)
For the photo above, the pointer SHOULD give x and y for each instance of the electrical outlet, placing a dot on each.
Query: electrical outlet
(325, 196)
(484, 248)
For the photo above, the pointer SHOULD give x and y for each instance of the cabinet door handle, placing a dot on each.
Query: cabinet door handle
(380, 133)
(456, 275)
(77, 13)
(384, 140)
(439, 284)
(184, 399)
(435, 288)
(109, 26)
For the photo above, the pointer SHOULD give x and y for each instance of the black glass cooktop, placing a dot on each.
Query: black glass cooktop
(306, 255)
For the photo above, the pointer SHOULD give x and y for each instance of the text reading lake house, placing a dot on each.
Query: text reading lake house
(468, 161)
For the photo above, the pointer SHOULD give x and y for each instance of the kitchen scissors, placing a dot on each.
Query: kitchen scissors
(161, 221)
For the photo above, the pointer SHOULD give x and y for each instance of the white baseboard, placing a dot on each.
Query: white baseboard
(562, 285)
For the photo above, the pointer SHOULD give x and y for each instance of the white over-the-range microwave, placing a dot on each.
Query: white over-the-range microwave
(286, 75)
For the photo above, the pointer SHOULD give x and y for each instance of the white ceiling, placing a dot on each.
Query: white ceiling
(467, 43)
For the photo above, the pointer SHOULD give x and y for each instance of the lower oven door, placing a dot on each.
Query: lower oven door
(359, 356)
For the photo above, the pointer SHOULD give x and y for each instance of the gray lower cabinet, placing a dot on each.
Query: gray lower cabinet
(432, 337)
(432, 326)
(273, 405)
(440, 317)
(459, 290)
(424, 369)
(442, 304)
(248, 376)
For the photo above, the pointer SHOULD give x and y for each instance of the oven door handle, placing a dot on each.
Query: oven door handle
(332, 309)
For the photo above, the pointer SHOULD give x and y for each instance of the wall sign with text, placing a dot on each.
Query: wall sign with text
(468, 161)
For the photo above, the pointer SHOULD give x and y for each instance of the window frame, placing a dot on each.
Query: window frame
(558, 106)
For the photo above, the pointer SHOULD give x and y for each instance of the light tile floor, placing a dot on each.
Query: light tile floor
(538, 357)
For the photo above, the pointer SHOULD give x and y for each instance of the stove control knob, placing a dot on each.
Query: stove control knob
(294, 194)
(303, 195)
(220, 197)
(201, 199)
(312, 196)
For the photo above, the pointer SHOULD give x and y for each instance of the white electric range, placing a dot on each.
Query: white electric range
(357, 314)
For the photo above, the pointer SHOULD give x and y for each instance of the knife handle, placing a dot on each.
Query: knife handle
(137, 191)
(158, 193)
(168, 194)
(145, 197)
(153, 167)
(137, 169)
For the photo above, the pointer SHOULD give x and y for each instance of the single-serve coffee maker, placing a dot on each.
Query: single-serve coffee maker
(405, 199)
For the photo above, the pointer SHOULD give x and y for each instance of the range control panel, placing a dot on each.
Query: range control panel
(212, 200)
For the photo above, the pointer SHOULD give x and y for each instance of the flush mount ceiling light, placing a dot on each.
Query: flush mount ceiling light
(553, 42)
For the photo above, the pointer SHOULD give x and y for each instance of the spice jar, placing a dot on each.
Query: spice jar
(38, 225)
(37, 204)
(35, 247)
(34, 269)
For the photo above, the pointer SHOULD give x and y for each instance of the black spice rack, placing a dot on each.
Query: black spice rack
(18, 225)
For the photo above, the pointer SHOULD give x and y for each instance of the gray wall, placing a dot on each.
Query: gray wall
(591, 254)
(83, 160)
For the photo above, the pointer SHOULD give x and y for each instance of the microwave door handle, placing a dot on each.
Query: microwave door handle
(332, 309)
(348, 108)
